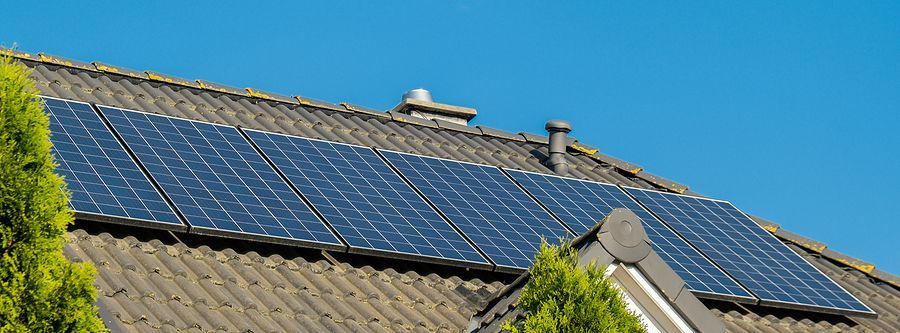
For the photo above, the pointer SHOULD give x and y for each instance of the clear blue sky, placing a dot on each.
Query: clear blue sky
(790, 109)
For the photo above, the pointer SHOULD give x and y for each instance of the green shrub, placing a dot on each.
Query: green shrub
(562, 297)
(40, 291)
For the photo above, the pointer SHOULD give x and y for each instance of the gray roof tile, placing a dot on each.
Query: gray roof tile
(57, 60)
(160, 77)
(499, 133)
(443, 124)
(112, 69)
(535, 138)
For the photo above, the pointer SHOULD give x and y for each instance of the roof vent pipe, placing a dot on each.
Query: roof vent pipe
(418, 94)
(558, 130)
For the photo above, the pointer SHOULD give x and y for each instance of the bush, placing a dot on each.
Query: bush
(40, 291)
(562, 297)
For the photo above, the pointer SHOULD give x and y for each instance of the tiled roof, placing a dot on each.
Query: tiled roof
(250, 108)
(176, 288)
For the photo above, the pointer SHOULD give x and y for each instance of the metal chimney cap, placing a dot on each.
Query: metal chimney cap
(418, 94)
(558, 125)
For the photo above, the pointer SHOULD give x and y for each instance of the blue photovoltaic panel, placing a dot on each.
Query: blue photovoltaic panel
(582, 204)
(98, 171)
(368, 204)
(217, 179)
(501, 219)
(754, 257)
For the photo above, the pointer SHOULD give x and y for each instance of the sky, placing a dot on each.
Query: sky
(788, 109)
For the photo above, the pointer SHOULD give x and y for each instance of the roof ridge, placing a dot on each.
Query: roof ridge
(574, 146)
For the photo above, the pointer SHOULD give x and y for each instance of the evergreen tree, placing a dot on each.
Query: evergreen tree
(562, 297)
(40, 291)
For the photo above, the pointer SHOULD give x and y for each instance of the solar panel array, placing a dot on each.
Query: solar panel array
(368, 204)
(581, 204)
(751, 255)
(98, 172)
(501, 219)
(219, 183)
(216, 179)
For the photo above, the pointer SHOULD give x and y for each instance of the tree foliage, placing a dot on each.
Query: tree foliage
(561, 297)
(40, 291)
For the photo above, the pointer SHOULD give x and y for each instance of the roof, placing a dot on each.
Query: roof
(166, 295)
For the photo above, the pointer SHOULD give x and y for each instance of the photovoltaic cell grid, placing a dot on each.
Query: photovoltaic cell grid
(751, 255)
(581, 204)
(501, 219)
(368, 204)
(98, 171)
(216, 179)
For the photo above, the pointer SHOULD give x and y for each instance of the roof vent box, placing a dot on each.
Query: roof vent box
(418, 103)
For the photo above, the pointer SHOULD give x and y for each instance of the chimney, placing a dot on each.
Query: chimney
(419, 103)
(557, 159)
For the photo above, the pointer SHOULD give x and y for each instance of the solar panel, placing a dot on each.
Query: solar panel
(218, 181)
(368, 204)
(581, 204)
(101, 176)
(754, 257)
(501, 219)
